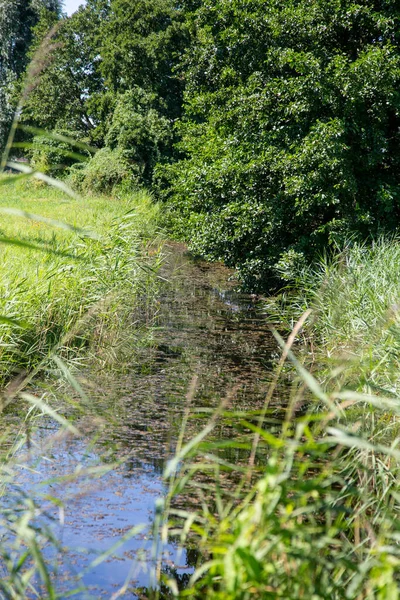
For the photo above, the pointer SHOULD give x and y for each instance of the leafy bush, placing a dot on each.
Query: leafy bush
(104, 172)
(111, 64)
(51, 153)
(139, 130)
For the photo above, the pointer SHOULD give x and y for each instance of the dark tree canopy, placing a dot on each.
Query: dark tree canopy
(17, 21)
(291, 129)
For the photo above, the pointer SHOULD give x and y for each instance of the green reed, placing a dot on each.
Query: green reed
(315, 515)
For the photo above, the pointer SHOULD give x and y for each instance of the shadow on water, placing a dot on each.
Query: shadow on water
(200, 326)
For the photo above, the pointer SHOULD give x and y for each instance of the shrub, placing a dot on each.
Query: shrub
(104, 172)
(138, 129)
(51, 153)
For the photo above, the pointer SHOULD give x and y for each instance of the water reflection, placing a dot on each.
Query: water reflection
(200, 326)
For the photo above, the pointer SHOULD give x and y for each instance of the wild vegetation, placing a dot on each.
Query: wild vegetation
(270, 131)
(315, 518)
(269, 134)
(17, 21)
(72, 270)
(354, 301)
(61, 256)
(290, 135)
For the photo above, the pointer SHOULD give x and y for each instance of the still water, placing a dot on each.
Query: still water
(199, 326)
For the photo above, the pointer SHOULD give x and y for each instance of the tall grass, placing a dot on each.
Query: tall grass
(51, 276)
(354, 297)
(315, 516)
(70, 271)
(312, 509)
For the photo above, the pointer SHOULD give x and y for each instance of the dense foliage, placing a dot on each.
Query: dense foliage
(110, 80)
(272, 128)
(291, 129)
(70, 80)
(17, 21)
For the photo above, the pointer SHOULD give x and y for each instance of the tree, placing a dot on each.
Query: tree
(139, 130)
(291, 130)
(140, 45)
(17, 21)
(64, 92)
(111, 79)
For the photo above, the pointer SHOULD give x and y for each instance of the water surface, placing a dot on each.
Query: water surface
(199, 327)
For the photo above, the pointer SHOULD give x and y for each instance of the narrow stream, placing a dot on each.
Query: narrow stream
(200, 327)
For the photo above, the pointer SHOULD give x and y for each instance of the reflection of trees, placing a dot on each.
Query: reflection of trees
(218, 335)
(168, 572)
(181, 579)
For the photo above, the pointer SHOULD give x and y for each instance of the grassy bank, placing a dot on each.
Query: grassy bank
(51, 276)
(71, 272)
(353, 333)
(313, 510)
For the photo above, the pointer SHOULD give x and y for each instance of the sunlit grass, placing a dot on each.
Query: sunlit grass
(354, 330)
(50, 276)
(71, 270)
(315, 516)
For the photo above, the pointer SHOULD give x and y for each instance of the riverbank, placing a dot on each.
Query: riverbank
(61, 259)
(73, 271)
(313, 510)
(352, 334)
(176, 414)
